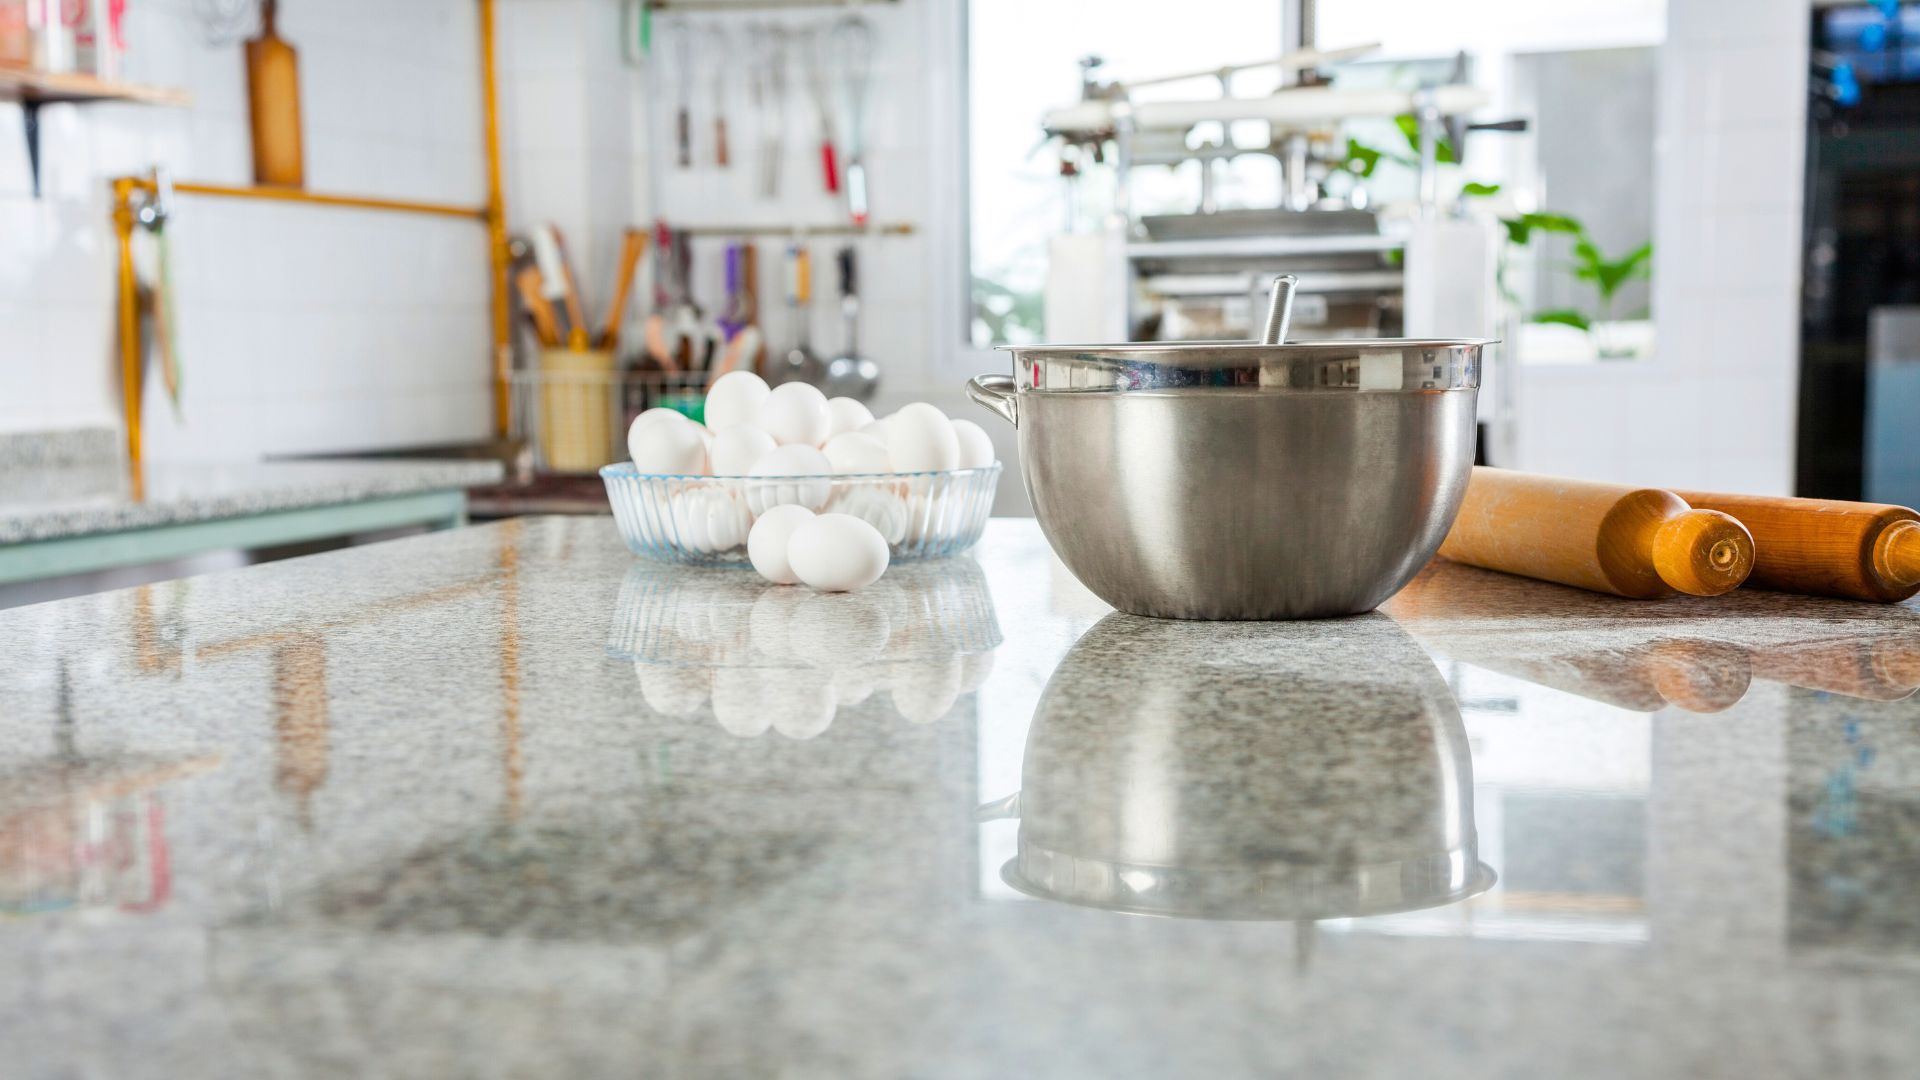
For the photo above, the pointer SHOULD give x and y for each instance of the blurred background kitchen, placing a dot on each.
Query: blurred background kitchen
(246, 247)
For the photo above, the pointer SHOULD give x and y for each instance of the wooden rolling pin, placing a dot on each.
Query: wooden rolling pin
(1639, 542)
(1860, 551)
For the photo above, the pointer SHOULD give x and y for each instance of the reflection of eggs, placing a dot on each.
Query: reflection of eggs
(832, 630)
(855, 684)
(769, 623)
(974, 669)
(808, 707)
(925, 690)
(797, 702)
(673, 691)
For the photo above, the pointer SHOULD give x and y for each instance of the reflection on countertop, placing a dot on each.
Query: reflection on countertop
(427, 812)
(1257, 770)
(1699, 655)
(789, 659)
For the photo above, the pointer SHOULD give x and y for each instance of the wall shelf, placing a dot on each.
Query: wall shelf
(33, 88)
(43, 87)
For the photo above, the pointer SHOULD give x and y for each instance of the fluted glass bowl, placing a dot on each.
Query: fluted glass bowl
(703, 520)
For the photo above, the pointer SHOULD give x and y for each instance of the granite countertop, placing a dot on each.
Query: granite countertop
(42, 501)
(506, 801)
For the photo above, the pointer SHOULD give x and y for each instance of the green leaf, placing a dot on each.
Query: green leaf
(1609, 276)
(1518, 230)
(1556, 223)
(1361, 159)
(1475, 189)
(1410, 130)
(1564, 318)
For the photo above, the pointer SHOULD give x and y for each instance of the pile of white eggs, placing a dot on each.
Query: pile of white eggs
(791, 440)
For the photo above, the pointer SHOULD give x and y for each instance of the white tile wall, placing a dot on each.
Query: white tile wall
(1716, 407)
(301, 328)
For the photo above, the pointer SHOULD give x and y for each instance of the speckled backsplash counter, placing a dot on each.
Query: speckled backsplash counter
(505, 801)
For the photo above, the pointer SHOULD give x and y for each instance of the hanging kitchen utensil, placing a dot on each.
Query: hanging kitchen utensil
(659, 345)
(539, 310)
(801, 364)
(633, 244)
(722, 49)
(559, 282)
(852, 39)
(683, 111)
(815, 52)
(273, 104)
(850, 374)
(768, 86)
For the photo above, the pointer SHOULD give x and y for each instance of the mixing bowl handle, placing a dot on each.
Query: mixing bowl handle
(994, 392)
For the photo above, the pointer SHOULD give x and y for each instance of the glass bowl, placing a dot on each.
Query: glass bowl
(703, 520)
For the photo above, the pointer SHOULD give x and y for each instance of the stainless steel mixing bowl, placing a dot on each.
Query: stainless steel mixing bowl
(1238, 480)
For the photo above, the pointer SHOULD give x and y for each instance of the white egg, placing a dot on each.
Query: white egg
(852, 452)
(803, 477)
(734, 399)
(805, 704)
(922, 691)
(847, 415)
(665, 447)
(768, 540)
(673, 691)
(837, 553)
(796, 414)
(736, 448)
(920, 438)
(832, 630)
(877, 429)
(976, 449)
(876, 506)
(709, 521)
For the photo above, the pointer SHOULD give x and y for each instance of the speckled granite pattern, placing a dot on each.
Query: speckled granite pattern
(72, 446)
(47, 502)
(504, 802)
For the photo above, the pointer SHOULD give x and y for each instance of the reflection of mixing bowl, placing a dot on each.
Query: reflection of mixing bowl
(1276, 770)
(785, 658)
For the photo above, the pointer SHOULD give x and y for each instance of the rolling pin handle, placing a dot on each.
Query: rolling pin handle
(1896, 554)
(1703, 552)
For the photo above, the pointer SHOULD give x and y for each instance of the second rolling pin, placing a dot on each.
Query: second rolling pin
(1643, 543)
(1860, 551)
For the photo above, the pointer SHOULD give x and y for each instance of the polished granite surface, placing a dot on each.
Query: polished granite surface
(40, 501)
(504, 801)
